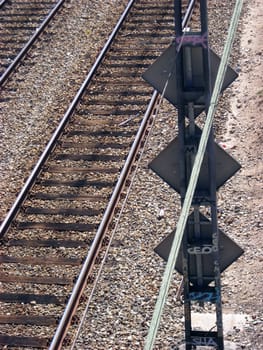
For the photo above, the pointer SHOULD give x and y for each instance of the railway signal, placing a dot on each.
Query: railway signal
(205, 247)
(185, 75)
(167, 164)
(163, 77)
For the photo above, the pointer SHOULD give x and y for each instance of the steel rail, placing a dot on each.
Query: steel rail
(188, 13)
(2, 2)
(51, 144)
(86, 268)
(29, 44)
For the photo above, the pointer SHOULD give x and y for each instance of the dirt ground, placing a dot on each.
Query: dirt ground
(242, 283)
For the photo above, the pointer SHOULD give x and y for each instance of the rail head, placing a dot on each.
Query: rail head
(30, 43)
(51, 144)
(64, 323)
(2, 3)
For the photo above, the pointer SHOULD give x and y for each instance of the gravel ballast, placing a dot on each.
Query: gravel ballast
(122, 306)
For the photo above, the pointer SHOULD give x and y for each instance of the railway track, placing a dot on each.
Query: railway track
(52, 235)
(22, 22)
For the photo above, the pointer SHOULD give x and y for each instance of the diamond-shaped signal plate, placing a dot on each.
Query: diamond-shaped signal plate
(164, 68)
(229, 251)
(167, 165)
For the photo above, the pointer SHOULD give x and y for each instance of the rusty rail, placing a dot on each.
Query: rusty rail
(30, 43)
(50, 146)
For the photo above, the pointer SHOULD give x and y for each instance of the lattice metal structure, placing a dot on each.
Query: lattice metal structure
(197, 244)
(185, 74)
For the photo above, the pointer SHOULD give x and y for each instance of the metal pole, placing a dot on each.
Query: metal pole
(168, 273)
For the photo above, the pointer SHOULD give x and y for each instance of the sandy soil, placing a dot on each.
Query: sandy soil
(243, 281)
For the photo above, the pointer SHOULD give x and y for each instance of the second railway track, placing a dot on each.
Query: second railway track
(21, 24)
(48, 240)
